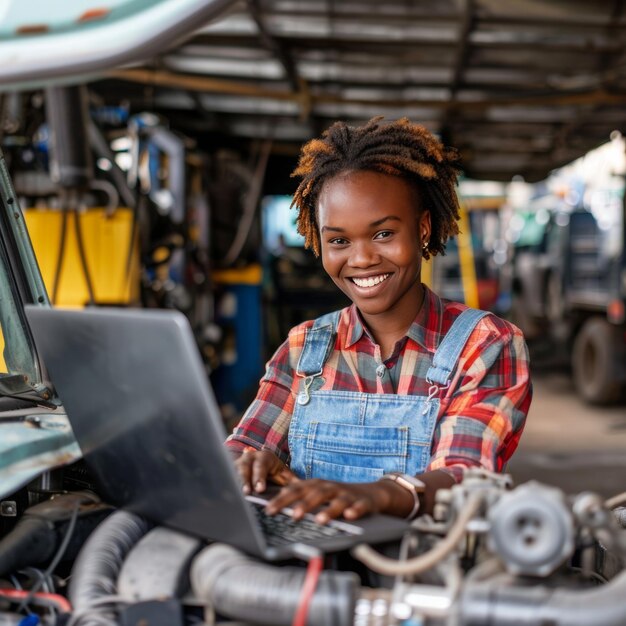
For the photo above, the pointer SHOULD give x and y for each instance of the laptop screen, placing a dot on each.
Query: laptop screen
(138, 399)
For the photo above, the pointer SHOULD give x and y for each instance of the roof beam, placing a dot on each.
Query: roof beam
(378, 46)
(465, 28)
(200, 83)
(274, 45)
(588, 22)
(280, 49)
(562, 139)
(466, 23)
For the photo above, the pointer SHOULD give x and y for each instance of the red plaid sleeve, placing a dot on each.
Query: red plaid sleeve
(483, 416)
(265, 424)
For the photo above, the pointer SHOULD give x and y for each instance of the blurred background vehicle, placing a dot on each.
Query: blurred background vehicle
(567, 272)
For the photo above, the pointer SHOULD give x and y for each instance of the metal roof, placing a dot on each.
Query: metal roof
(519, 86)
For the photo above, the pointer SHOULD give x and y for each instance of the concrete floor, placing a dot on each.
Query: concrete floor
(569, 444)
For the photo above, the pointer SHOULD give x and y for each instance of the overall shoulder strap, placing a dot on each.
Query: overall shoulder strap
(318, 344)
(450, 348)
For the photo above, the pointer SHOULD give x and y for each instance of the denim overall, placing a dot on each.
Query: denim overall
(356, 437)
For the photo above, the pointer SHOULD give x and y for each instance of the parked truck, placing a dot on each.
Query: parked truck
(569, 290)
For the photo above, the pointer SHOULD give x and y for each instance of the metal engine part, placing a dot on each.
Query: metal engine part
(254, 592)
(532, 529)
(157, 567)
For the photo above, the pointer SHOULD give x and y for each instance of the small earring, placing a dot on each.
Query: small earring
(425, 245)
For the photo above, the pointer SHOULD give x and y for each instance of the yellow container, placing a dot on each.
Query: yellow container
(106, 240)
(249, 275)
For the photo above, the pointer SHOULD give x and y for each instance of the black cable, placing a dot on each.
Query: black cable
(34, 572)
(101, 147)
(137, 210)
(48, 585)
(60, 256)
(55, 560)
(83, 257)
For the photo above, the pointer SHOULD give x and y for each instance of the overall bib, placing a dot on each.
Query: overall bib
(353, 437)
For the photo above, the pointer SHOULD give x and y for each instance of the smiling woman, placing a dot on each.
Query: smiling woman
(375, 407)
(375, 260)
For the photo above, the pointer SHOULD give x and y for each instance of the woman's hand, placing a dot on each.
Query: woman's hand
(256, 467)
(348, 500)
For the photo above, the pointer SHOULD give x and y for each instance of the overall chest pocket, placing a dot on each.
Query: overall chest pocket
(355, 453)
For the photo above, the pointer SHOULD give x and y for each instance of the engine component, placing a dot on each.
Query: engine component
(158, 566)
(153, 612)
(249, 590)
(71, 164)
(491, 604)
(95, 572)
(532, 529)
(42, 528)
(423, 562)
(469, 567)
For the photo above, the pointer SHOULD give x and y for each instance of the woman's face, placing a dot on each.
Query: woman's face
(372, 228)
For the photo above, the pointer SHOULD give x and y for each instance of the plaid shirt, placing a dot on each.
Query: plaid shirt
(482, 412)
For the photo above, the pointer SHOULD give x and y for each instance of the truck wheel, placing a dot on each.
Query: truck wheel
(594, 362)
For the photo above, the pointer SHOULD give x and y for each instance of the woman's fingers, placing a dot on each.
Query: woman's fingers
(350, 500)
(313, 494)
(284, 476)
(359, 508)
(336, 507)
(255, 466)
(261, 467)
(296, 494)
(327, 499)
(244, 467)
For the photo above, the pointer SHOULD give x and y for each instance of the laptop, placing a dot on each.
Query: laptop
(141, 407)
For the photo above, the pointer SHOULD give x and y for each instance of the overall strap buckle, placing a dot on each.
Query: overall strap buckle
(433, 390)
(318, 345)
(304, 396)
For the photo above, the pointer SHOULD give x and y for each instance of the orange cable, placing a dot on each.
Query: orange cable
(19, 594)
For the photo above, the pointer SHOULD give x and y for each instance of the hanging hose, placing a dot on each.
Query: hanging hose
(94, 575)
(251, 203)
(110, 191)
(56, 281)
(239, 587)
(82, 255)
(615, 501)
(101, 147)
(392, 567)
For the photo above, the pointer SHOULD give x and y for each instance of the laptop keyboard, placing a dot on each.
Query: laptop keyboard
(281, 529)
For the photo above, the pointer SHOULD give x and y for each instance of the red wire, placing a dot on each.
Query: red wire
(19, 594)
(313, 570)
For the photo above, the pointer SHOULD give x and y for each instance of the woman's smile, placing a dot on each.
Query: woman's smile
(369, 281)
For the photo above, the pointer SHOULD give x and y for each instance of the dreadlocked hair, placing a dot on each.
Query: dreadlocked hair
(398, 148)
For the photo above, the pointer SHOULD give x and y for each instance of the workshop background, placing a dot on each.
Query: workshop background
(165, 183)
